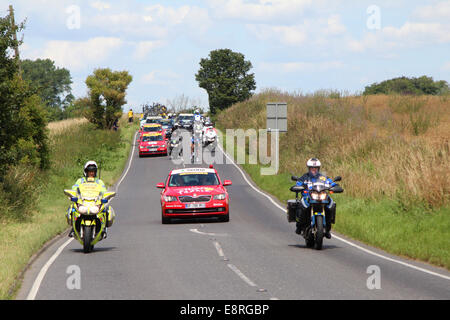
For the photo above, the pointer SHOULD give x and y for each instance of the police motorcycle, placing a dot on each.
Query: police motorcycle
(318, 198)
(90, 214)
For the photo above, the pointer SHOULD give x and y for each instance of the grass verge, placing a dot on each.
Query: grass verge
(71, 148)
(393, 155)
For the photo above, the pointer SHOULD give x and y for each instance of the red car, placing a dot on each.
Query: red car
(194, 193)
(152, 143)
(150, 128)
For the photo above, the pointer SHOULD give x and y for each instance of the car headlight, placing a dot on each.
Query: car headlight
(323, 195)
(314, 196)
(170, 199)
(221, 196)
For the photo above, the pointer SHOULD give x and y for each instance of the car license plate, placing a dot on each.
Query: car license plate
(153, 149)
(195, 205)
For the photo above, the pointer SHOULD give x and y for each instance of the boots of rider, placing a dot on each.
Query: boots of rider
(330, 218)
(69, 220)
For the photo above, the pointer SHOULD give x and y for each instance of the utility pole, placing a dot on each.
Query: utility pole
(14, 34)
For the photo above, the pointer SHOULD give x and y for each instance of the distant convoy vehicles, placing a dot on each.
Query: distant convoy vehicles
(194, 193)
(185, 121)
(152, 143)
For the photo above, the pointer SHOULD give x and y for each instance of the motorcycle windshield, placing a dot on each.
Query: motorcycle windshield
(90, 191)
(319, 186)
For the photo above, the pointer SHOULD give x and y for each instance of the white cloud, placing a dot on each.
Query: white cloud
(162, 78)
(261, 10)
(440, 10)
(311, 32)
(409, 35)
(99, 5)
(143, 48)
(288, 35)
(300, 66)
(75, 55)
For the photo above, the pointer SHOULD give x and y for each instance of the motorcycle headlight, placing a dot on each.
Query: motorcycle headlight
(221, 196)
(94, 210)
(170, 199)
(82, 209)
(314, 196)
(323, 196)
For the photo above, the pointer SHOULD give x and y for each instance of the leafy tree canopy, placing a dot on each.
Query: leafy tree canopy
(409, 86)
(225, 77)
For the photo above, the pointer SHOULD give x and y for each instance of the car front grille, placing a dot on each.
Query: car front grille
(194, 199)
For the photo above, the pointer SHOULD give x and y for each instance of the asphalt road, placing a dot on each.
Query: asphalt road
(256, 255)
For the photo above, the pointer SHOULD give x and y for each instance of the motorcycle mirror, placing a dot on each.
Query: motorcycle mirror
(104, 201)
(336, 189)
(297, 188)
(74, 199)
(338, 178)
(294, 178)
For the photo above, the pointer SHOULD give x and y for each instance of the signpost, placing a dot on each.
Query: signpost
(277, 116)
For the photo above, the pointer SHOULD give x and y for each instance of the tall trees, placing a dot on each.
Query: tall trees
(106, 96)
(23, 135)
(52, 84)
(225, 77)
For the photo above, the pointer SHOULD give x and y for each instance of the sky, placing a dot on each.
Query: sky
(293, 45)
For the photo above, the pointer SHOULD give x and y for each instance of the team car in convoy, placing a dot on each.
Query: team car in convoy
(194, 193)
(152, 143)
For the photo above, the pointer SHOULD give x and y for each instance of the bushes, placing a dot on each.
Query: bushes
(383, 146)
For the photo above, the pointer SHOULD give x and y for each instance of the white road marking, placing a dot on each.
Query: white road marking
(336, 237)
(219, 249)
(241, 275)
(37, 282)
(41, 275)
(207, 234)
(129, 165)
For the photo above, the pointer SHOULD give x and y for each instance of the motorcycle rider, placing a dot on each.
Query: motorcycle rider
(90, 175)
(313, 175)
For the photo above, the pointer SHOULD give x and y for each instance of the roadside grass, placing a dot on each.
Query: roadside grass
(72, 146)
(395, 171)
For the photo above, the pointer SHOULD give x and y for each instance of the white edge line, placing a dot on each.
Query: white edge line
(338, 238)
(129, 164)
(37, 282)
(41, 275)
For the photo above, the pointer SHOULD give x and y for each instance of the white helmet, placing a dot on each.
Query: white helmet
(90, 165)
(313, 162)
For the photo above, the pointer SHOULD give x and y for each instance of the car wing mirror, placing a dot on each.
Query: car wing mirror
(160, 185)
(227, 183)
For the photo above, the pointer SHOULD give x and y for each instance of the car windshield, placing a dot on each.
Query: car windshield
(152, 120)
(193, 179)
(166, 124)
(185, 118)
(151, 129)
(152, 138)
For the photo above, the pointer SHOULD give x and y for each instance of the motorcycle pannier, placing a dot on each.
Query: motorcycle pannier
(291, 210)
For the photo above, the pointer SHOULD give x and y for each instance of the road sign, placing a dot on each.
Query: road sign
(277, 116)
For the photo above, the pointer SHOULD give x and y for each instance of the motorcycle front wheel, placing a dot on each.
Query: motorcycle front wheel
(319, 233)
(87, 239)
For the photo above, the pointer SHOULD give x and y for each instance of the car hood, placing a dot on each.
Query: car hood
(194, 190)
(152, 143)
